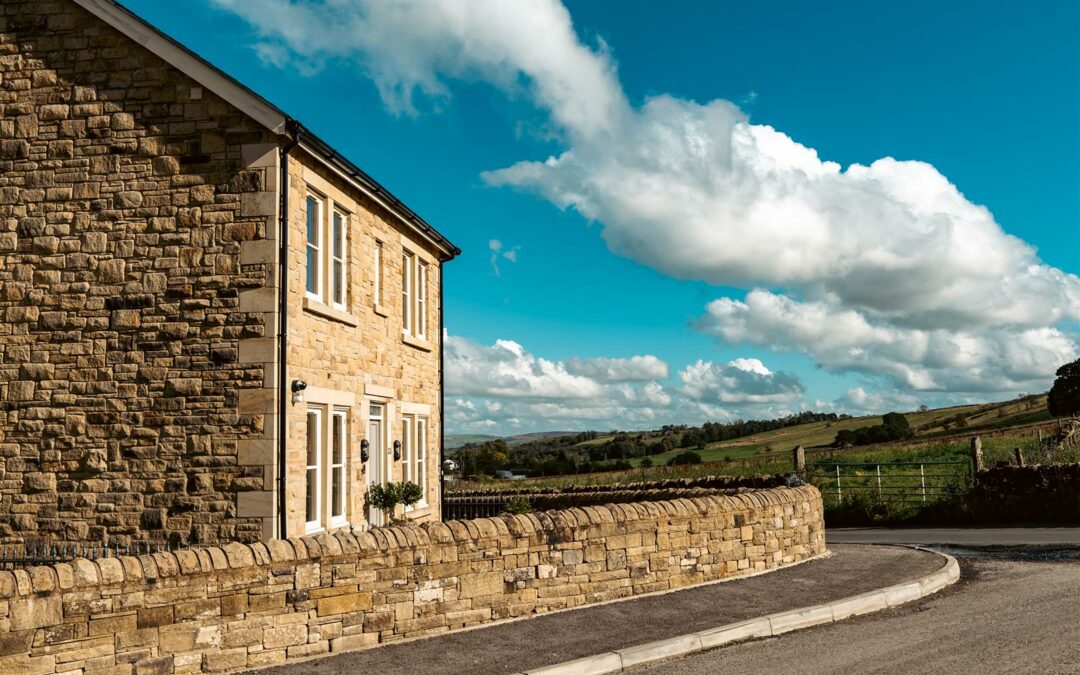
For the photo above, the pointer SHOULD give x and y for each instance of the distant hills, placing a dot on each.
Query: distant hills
(455, 441)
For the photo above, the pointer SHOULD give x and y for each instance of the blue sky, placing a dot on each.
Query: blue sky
(987, 93)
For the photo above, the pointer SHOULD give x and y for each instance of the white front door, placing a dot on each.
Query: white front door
(376, 469)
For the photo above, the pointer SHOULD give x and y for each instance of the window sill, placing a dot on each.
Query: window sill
(416, 342)
(328, 312)
(418, 511)
(381, 310)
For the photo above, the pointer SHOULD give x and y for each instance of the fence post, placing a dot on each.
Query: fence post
(976, 454)
(922, 479)
(799, 456)
(839, 495)
(1019, 456)
(878, 480)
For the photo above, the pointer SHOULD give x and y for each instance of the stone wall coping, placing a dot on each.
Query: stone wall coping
(85, 573)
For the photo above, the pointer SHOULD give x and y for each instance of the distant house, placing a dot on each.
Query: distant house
(212, 325)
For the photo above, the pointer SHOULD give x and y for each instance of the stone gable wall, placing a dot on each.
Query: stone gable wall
(246, 606)
(128, 194)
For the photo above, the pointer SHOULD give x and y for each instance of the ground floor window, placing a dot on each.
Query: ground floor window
(414, 441)
(327, 489)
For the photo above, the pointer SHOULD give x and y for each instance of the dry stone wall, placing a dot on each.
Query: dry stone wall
(245, 606)
(127, 194)
(1040, 493)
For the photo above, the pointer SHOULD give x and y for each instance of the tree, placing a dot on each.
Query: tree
(688, 457)
(1064, 397)
(844, 438)
(897, 426)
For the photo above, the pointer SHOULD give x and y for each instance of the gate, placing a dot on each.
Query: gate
(901, 482)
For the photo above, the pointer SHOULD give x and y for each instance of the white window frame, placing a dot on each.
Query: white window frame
(340, 242)
(414, 439)
(420, 455)
(407, 261)
(421, 299)
(339, 416)
(322, 250)
(313, 525)
(414, 305)
(378, 273)
(317, 245)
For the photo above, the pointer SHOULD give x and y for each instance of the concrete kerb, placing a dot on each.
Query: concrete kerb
(766, 626)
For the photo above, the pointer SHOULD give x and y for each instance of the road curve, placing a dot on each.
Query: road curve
(1012, 612)
(957, 536)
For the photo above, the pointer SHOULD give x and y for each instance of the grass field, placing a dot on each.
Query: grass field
(770, 452)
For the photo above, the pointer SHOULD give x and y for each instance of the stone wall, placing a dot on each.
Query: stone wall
(1041, 493)
(128, 196)
(245, 606)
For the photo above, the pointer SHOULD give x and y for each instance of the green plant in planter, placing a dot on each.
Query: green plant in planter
(386, 496)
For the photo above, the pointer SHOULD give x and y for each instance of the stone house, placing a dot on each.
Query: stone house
(212, 325)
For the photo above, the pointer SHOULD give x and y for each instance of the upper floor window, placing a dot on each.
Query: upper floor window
(327, 252)
(378, 274)
(414, 296)
(314, 246)
(338, 271)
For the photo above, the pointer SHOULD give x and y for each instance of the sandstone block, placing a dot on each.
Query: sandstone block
(285, 636)
(39, 481)
(122, 122)
(344, 604)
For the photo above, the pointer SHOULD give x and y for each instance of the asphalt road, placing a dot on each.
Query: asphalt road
(1014, 611)
(972, 536)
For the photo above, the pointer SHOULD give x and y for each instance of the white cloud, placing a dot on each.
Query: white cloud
(408, 46)
(505, 369)
(633, 369)
(741, 382)
(886, 268)
(993, 359)
(505, 388)
(499, 251)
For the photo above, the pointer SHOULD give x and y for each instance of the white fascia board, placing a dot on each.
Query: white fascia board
(251, 104)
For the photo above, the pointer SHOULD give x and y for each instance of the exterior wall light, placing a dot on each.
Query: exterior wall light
(364, 450)
(397, 450)
(298, 387)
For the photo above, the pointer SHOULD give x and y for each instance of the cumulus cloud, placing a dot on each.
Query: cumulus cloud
(994, 359)
(505, 388)
(633, 369)
(887, 269)
(739, 382)
(409, 46)
(505, 369)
